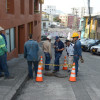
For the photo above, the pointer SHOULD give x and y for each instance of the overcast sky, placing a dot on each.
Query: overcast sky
(66, 5)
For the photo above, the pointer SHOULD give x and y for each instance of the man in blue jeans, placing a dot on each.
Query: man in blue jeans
(31, 49)
(59, 47)
(47, 52)
(77, 51)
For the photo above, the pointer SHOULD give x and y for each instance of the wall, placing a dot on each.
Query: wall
(16, 19)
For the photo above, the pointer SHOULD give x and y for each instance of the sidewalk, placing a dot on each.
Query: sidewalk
(18, 68)
(9, 87)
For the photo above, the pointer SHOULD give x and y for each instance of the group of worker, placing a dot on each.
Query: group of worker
(31, 49)
(73, 51)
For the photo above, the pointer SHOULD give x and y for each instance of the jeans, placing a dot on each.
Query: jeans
(76, 59)
(6, 63)
(3, 63)
(47, 60)
(30, 70)
(56, 62)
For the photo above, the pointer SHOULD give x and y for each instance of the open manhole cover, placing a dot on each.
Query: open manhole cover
(59, 75)
(48, 74)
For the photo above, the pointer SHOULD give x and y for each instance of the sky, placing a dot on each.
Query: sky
(66, 5)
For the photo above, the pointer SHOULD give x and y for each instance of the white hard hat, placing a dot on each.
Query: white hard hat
(49, 37)
(1, 29)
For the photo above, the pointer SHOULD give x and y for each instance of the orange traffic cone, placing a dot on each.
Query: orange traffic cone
(73, 75)
(39, 77)
(65, 64)
(73, 64)
(41, 62)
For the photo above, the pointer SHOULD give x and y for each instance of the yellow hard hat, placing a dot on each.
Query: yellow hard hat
(75, 34)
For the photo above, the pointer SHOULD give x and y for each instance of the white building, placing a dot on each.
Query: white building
(63, 18)
(81, 11)
(49, 9)
(44, 23)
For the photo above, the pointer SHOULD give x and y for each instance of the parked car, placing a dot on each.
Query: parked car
(43, 37)
(83, 41)
(95, 49)
(88, 43)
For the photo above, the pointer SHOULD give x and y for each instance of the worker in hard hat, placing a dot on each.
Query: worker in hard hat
(47, 52)
(77, 51)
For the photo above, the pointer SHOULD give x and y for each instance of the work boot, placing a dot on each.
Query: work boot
(1, 75)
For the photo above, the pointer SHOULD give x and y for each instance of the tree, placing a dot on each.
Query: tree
(56, 19)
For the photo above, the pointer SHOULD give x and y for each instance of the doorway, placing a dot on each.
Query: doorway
(21, 39)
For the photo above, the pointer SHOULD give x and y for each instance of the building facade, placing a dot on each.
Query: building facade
(50, 9)
(45, 23)
(70, 21)
(20, 18)
(64, 20)
(91, 29)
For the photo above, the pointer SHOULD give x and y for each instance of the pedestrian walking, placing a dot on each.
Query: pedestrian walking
(31, 49)
(70, 53)
(47, 52)
(3, 61)
(77, 51)
(59, 47)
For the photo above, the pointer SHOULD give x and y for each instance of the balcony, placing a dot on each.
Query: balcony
(45, 19)
(41, 1)
(36, 12)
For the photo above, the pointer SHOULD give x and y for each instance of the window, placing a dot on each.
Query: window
(30, 27)
(10, 36)
(99, 23)
(30, 6)
(35, 23)
(22, 6)
(36, 6)
(10, 6)
(44, 25)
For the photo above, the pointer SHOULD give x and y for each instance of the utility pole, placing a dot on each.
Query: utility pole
(89, 20)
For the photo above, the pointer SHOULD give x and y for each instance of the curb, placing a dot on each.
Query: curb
(16, 89)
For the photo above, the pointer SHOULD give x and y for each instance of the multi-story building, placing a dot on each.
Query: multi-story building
(20, 18)
(45, 23)
(70, 21)
(73, 21)
(50, 9)
(81, 11)
(64, 20)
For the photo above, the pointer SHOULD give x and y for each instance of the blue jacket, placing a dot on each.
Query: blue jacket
(59, 45)
(77, 48)
(31, 49)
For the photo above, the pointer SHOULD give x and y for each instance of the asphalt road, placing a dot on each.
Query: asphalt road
(87, 86)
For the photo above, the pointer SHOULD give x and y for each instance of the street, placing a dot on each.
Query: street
(87, 86)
